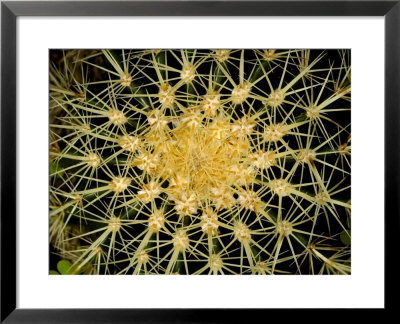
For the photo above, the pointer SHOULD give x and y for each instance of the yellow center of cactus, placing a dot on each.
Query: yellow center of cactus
(198, 159)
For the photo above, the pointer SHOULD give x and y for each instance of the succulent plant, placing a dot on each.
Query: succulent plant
(200, 161)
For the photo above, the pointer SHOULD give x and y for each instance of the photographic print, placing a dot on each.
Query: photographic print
(200, 161)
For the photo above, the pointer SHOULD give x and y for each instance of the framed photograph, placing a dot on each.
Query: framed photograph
(198, 161)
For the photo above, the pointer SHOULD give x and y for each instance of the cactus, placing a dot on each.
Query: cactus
(200, 161)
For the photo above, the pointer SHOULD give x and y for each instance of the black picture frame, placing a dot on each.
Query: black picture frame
(10, 10)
